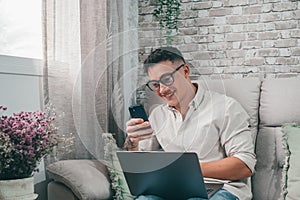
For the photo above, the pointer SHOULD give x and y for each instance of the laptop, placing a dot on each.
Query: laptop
(170, 175)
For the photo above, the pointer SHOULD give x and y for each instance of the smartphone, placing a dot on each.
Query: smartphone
(138, 111)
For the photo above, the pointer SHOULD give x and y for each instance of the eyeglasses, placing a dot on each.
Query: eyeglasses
(166, 79)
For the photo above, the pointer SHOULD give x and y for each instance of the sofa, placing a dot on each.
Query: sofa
(270, 103)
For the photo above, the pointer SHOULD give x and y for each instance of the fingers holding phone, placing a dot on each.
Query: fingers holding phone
(140, 131)
(138, 128)
(135, 124)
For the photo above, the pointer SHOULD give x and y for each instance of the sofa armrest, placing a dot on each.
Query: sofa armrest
(87, 179)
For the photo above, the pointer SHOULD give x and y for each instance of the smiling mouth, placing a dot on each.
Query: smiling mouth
(168, 94)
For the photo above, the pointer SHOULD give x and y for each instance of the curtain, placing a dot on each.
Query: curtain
(86, 59)
(122, 51)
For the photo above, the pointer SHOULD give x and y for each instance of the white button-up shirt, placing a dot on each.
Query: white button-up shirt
(216, 126)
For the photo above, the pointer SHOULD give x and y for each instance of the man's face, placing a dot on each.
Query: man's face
(174, 93)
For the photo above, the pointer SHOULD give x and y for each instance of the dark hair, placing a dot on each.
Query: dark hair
(163, 54)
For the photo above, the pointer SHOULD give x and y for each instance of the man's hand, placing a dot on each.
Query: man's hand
(137, 130)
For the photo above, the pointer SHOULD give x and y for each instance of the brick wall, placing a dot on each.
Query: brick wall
(231, 38)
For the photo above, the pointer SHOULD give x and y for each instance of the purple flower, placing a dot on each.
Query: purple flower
(25, 137)
(3, 108)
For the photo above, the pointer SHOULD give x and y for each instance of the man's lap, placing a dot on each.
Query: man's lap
(220, 195)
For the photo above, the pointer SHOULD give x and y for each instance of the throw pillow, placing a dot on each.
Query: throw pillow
(118, 181)
(87, 179)
(291, 172)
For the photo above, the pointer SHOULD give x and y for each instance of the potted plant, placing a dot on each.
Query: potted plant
(25, 138)
(167, 12)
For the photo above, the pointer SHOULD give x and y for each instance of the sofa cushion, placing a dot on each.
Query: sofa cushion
(291, 172)
(246, 91)
(266, 181)
(87, 179)
(280, 101)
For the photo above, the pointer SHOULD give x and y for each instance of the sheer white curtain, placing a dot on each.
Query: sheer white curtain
(85, 63)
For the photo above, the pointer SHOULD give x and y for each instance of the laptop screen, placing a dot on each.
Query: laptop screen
(170, 175)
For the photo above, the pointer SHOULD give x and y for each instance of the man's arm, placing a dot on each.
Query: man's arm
(230, 168)
(238, 145)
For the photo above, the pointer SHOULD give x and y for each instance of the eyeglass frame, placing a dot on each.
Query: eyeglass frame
(163, 75)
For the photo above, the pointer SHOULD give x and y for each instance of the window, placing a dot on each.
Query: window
(20, 54)
(21, 28)
(20, 58)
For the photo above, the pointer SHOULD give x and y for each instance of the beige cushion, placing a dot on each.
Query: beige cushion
(280, 101)
(266, 182)
(291, 172)
(87, 179)
(245, 91)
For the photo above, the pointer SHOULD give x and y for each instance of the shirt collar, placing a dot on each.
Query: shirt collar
(196, 101)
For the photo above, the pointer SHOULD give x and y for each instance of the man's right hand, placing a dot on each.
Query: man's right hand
(137, 130)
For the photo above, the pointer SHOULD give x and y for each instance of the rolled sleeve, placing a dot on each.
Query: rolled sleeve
(237, 137)
(248, 158)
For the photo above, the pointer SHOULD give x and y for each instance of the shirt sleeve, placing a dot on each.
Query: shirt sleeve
(236, 136)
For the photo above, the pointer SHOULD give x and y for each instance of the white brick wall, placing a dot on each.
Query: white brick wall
(232, 38)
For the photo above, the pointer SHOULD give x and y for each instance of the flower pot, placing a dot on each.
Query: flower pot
(17, 189)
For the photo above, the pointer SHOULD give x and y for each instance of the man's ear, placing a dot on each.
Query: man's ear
(186, 71)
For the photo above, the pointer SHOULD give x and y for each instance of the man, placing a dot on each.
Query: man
(212, 125)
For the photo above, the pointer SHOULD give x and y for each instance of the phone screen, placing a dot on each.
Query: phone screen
(138, 111)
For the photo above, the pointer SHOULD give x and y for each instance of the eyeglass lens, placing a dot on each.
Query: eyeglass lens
(166, 79)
